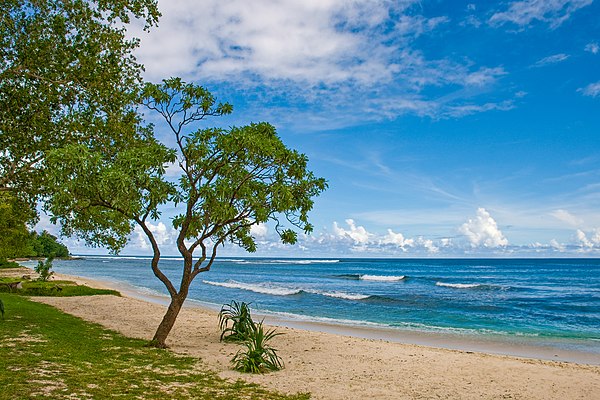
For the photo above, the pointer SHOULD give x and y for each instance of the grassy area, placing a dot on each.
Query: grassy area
(8, 264)
(50, 288)
(45, 353)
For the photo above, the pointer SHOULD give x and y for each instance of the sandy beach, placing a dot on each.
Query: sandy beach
(334, 366)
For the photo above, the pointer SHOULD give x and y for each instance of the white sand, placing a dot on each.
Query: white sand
(333, 366)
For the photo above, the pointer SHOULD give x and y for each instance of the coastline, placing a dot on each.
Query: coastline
(445, 340)
(334, 363)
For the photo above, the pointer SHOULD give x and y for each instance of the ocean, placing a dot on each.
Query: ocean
(549, 302)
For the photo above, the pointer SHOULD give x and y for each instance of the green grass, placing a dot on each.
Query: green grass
(8, 264)
(45, 353)
(52, 288)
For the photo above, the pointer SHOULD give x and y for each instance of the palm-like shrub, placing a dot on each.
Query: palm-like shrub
(238, 315)
(258, 356)
(43, 269)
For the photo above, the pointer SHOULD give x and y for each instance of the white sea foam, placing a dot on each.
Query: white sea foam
(382, 278)
(458, 285)
(304, 261)
(285, 291)
(263, 289)
(340, 295)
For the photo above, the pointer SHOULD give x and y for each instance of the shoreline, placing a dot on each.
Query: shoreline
(445, 340)
(332, 366)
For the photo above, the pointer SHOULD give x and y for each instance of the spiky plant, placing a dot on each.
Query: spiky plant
(43, 269)
(238, 315)
(258, 356)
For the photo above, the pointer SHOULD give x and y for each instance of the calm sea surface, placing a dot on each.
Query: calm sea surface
(546, 301)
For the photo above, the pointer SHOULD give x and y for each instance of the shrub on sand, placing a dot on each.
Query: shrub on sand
(258, 356)
(238, 315)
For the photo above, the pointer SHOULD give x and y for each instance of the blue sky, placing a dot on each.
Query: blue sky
(444, 128)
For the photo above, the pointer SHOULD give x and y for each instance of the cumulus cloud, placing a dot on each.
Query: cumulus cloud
(552, 12)
(553, 59)
(592, 48)
(483, 231)
(397, 239)
(164, 236)
(588, 242)
(357, 234)
(592, 90)
(259, 230)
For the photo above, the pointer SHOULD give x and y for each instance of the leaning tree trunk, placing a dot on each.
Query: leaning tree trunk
(167, 322)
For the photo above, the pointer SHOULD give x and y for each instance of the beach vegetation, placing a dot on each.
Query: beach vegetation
(58, 288)
(46, 353)
(229, 180)
(258, 356)
(235, 322)
(43, 269)
(5, 264)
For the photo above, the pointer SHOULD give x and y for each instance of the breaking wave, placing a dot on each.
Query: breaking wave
(285, 291)
(377, 278)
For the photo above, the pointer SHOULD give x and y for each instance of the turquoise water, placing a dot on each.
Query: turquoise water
(549, 301)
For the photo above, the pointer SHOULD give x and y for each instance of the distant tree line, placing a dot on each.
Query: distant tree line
(16, 240)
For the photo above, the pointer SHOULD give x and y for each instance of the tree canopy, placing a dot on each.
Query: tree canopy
(67, 75)
(230, 179)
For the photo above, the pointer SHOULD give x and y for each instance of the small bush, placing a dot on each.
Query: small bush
(258, 356)
(43, 269)
(238, 315)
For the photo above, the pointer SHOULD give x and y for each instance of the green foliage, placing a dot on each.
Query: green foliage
(67, 75)
(258, 356)
(8, 264)
(15, 214)
(238, 315)
(49, 354)
(53, 288)
(2, 308)
(47, 245)
(230, 180)
(43, 269)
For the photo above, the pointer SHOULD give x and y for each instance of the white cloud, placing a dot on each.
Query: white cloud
(483, 231)
(310, 41)
(357, 233)
(397, 239)
(583, 240)
(316, 55)
(592, 47)
(164, 236)
(593, 241)
(553, 59)
(592, 90)
(259, 230)
(552, 12)
(557, 246)
(565, 216)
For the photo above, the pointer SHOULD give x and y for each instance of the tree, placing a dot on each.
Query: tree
(231, 179)
(46, 245)
(14, 236)
(67, 75)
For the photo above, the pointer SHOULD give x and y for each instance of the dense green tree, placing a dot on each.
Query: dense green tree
(46, 245)
(67, 75)
(230, 180)
(14, 235)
